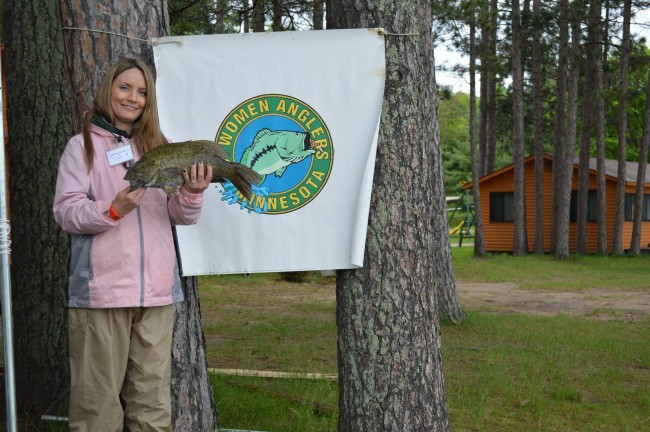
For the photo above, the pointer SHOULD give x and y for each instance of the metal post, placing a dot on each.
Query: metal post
(5, 276)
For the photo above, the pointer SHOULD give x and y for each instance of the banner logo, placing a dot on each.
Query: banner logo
(287, 142)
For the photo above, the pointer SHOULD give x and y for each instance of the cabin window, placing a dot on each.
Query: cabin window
(629, 207)
(592, 206)
(501, 206)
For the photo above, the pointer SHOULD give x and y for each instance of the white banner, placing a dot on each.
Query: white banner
(300, 108)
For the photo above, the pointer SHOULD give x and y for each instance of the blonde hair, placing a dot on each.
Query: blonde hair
(146, 130)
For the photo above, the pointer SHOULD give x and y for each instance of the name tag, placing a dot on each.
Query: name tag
(119, 155)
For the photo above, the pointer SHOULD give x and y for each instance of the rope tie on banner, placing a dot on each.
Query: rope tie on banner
(383, 32)
(122, 35)
(5, 242)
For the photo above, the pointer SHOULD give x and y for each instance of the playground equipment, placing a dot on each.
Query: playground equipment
(464, 228)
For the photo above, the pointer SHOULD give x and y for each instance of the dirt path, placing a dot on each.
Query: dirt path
(601, 304)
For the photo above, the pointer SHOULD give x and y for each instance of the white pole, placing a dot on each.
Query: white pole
(5, 276)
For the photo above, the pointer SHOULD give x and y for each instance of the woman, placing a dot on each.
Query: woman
(123, 271)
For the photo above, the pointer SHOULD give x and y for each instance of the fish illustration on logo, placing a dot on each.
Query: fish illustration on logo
(274, 151)
(287, 143)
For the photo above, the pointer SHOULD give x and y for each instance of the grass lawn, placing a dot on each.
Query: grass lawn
(506, 372)
(503, 372)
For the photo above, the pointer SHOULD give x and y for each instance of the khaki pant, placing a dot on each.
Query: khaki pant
(120, 369)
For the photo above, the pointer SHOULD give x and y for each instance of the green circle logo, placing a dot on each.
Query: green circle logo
(287, 142)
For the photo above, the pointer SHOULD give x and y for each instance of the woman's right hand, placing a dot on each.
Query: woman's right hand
(125, 202)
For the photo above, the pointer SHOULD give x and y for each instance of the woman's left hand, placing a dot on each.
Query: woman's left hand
(198, 178)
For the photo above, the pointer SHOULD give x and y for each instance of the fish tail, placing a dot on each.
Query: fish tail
(244, 178)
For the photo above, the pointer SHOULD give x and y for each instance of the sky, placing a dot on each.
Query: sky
(446, 57)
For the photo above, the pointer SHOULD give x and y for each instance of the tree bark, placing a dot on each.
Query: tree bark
(560, 210)
(567, 148)
(89, 52)
(319, 14)
(193, 405)
(277, 15)
(491, 118)
(635, 247)
(538, 125)
(520, 246)
(40, 125)
(585, 138)
(601, 56)
(390, 364)
(617, 244)
(479, 244)
(246, 16)
(259, 16)
(570, 139)
(483, 96)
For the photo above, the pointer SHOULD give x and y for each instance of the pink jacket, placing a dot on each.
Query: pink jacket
(125, 263)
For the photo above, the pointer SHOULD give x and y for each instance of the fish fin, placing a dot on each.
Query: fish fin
(261, 133)
(243, 179)
(244, 158)
(220, 151)
(280, 171)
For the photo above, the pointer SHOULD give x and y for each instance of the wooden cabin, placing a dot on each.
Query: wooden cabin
(497, 194)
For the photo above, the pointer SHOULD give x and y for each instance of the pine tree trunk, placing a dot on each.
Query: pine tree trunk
(319, 13)
(193, 405)
(277, 15)
(520, 246)
(538, 125)
(491, 151)
(390, 364)
(617, 245)
(246, 16)
(479, 245)
(561, 190)
(567, 147)
(39, 127)
(588, 112)
(258, 15)
(639, 204)
(600, 78)
(88, 53)
(483, 90)
(41, 124)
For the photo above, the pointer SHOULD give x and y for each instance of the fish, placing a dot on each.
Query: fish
(162, 167)
(273, 151)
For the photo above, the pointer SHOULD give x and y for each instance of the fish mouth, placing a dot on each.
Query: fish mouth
(307, 143)
(310, 144)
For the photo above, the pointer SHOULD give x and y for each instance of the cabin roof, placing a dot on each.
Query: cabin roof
(611, 169)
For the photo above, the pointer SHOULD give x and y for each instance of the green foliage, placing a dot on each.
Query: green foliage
(195, 17)
(192, 17)
(637, 89)
(453, 117)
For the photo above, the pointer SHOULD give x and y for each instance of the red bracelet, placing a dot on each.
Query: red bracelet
(113, 214)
